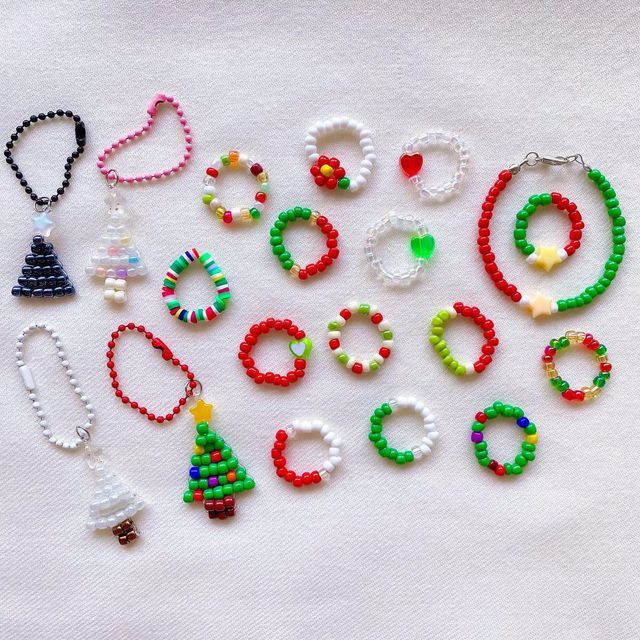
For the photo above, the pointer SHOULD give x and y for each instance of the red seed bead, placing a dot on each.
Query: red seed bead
(357, 368)
(481, 417)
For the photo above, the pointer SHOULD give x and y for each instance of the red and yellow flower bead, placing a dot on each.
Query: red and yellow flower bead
(528, 447)
(235, 160)
(328, 173)
(573, 338)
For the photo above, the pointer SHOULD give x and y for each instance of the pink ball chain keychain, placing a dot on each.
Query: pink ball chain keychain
(117, 257)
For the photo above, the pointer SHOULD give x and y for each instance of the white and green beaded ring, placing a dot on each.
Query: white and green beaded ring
(205, 314)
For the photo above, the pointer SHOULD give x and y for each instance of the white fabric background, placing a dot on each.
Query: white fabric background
(440, 548)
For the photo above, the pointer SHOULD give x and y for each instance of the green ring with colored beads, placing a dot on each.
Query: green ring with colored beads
(528, 447)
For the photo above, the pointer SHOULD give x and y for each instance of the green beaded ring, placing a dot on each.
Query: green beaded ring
(171, 280)
(527, 453)
(279, 250)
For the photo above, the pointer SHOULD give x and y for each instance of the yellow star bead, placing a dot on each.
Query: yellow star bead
(540, 305)
(201, 412)
(547, 258)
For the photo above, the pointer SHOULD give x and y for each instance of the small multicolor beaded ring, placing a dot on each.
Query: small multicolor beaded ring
(547, 257)
(234, 160)
(369, 364)
(300, 347)
(326, 171)
(307, 477)
(314, 218)
(422, 246)
(380, 442)
(411, 162)
(440, 345)
(528, 447)
(572, 338)
(210, 312)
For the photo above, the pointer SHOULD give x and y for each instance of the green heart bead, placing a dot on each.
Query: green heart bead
(423, 246)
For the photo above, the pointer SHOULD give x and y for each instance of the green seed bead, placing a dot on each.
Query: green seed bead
(443, 314)
(485, 462)
(516, 469)
(481, 454)
(608, 194)
(508, 411)
(490, 412)
(599, 381)
(384, 452)
(227, 489)
(521, 244)
(287, 264)
(201, 441)
(522, 215)
(193, 485)
(481, 446)
(218, 493)
(528, 249)
(203, 483)
(477, 426)
(381, 443)
(447, 360)
(400, 459)
(522, 225)
(530, 429)
(444, 353)
(364, 309)
(306, 213)
(564, 342)
(207, 494)
(498, 406)
(393, 453)
(241, 473)
(601, 350)
(195, 461)
(376, 428)
(187, 496)
(595, 175)
(435, 331)
(238, 486)
(375, 436)
(534, 200)
(434, 339)
(436, 322)
(519, 234)
(375, 420)
(545, 199)
(529, 456)
(386, 407)
(529, 208)
(518, 413)
(249, 483)
(207, 198)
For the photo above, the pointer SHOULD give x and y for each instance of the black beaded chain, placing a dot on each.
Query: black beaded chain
(81, 139)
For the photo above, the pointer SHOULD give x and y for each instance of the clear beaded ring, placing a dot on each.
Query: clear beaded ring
(422, 245)
(327, 172)
(411, 162)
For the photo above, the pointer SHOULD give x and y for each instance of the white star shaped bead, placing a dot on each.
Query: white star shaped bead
(42, 224)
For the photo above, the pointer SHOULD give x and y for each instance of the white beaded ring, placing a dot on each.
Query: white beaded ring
(422, 245)
(326, 171)
(411, 162)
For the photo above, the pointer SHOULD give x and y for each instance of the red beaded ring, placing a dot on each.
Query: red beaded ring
(167, 354)
(300, 346)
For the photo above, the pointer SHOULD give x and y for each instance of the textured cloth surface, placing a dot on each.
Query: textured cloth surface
(440, 548)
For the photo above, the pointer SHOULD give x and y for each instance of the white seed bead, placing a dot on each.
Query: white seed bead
(328, 436)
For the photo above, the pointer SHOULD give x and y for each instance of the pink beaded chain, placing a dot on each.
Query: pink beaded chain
(157, 99)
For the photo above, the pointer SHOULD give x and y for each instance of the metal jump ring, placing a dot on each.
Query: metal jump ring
(193, 392)
(83, 434)
(111, 177)
(42, 204)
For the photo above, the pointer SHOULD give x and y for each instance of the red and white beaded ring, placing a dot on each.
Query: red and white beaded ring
(440, 345)
(373, 362)
(328, 172)
(245, 213)
(300, 346)
(307, 477)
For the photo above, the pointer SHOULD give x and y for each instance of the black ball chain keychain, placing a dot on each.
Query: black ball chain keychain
(43, 275)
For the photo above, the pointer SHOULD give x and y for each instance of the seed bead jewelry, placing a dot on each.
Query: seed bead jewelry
(442, 349)
(307, 477)
(314, 218)
(234, 160)
(300, 347)
(411, 162)
(422, 246)
(43, 275)
(540, 304)
(373, 362)
(548, 257)
(528, 448)
(326, 171)
(380, 442)
(573, 338)
(223, 295)
(113, 505)
(117, 258)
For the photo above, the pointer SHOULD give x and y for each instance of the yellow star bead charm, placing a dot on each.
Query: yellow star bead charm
(201, 412)
(540, 305)
(548, 257)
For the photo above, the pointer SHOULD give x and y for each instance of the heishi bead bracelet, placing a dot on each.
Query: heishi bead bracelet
(314, 218)
(587, 340)
(245, 213)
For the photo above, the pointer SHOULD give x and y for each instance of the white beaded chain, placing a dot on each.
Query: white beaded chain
(428, 421)
(421, 245)
(328, 435)
(324, 173)
(30, 385)
(411, 162)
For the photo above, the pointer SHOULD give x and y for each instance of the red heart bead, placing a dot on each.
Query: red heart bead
(411, 164)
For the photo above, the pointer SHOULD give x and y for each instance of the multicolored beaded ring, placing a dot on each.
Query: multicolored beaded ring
(573, 338)
(380, 442)
(210, 312)
(548, 257)
(300, 346)
(326, 171)
(314, 218)
(540, 304)
(440, 345)
(373, 362)
(528, 448)
(307, 477)
(235, 160)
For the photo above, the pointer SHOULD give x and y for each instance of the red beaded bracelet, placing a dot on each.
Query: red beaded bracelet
(167, 354)
(300, 346)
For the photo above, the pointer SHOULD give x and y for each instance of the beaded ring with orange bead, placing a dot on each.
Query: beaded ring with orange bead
(316, 219)
(300, 346)
(234, 160)
(568, 339)
(440, 345)
(308, 477)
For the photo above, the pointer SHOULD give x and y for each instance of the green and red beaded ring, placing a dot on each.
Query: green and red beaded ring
(314, 218)
(528, 447)
(574, 338)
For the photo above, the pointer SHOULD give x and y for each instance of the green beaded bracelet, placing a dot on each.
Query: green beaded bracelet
(527, 453)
